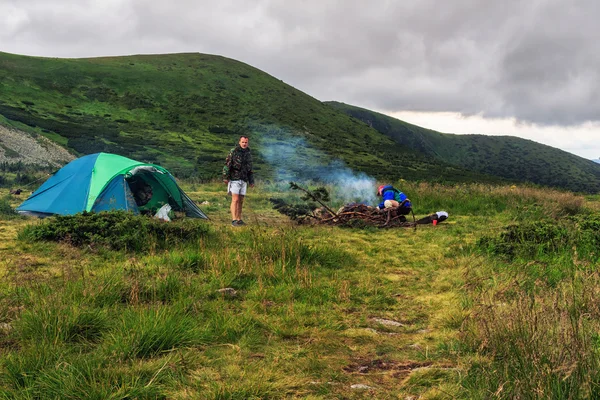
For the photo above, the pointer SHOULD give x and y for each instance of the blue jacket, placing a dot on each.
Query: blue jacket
(389, 193)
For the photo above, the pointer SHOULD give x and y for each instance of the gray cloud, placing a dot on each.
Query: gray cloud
(537, 61)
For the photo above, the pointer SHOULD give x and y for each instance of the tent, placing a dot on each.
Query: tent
(103, 182)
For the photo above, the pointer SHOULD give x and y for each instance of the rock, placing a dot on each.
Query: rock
(31, 150)
(4, 326)
(387, 322)
(205, 203)
(231, 292)
(360, 332)
(360, 386)
(267, 303)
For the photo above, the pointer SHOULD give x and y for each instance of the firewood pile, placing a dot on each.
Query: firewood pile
(361, 215)
(317, 212)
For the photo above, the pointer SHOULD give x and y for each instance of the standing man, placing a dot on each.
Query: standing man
(237, 174)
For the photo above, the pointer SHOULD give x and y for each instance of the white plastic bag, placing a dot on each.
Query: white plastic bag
(163, 213)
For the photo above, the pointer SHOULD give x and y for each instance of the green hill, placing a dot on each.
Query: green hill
(509, 157)
(185, 111)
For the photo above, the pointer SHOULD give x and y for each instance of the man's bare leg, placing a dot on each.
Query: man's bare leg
(235, 201)
(240, 203)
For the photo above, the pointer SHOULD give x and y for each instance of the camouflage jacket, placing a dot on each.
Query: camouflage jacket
(238, 166)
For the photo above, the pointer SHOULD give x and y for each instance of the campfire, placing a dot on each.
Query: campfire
(316, 211)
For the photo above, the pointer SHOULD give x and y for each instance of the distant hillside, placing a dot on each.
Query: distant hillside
(185, 111)
(509, 157)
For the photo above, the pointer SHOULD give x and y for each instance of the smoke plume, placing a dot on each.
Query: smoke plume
(293, 159)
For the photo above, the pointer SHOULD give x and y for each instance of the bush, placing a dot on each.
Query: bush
(528, 240)
(116, 230)
(6, 211)
(24, 178)
(578, 235)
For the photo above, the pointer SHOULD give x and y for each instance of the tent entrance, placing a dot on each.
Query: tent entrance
(148, 189)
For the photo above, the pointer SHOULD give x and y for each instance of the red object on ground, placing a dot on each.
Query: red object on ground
(434, 222)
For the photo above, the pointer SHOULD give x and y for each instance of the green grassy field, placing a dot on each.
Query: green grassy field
(466, 309)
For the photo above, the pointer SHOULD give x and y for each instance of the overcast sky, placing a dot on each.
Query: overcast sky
(530, 68)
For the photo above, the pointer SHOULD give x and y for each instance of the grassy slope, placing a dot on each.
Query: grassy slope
(186, 111)
(76, 323)
(510, 157)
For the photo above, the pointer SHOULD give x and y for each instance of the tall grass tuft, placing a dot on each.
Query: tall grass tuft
(189, 259)
(226, 327)
(57, 323)
(22, 371)
(52, 373)
(151, 332)
(481, 199)
(538, 346)
(536, 316)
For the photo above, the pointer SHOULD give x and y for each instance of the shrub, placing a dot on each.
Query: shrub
(578, 236)
(528, 240)
(6, 211)
(24, 178)
(115, 230)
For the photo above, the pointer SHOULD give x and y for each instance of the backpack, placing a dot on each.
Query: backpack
(398, 196)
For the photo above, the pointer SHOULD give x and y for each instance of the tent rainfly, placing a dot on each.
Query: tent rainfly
(103, 182)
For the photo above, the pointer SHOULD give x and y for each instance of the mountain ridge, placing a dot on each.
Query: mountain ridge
(510, 157)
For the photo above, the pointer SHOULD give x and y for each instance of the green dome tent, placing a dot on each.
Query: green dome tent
(103, 182)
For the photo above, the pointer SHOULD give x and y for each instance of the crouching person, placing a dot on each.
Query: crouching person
(393, 198)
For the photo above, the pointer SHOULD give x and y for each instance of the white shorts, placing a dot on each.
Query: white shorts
(237, 187)
(390, 203)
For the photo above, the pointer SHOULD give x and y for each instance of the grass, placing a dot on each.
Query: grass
(311, 311)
